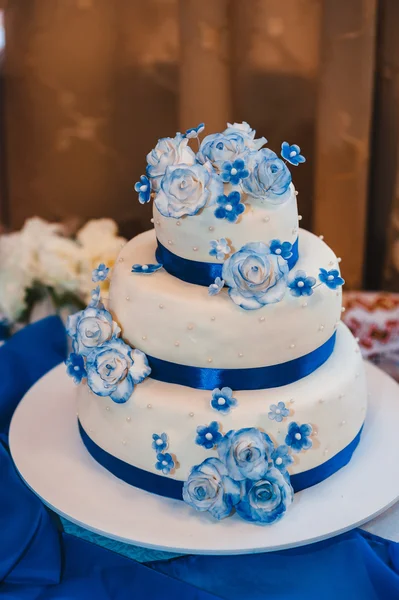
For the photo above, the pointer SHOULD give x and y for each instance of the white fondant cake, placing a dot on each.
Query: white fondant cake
(220, 373)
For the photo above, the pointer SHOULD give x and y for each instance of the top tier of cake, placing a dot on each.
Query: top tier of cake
(231, 189)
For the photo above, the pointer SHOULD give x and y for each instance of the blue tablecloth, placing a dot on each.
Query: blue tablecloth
(40, 561)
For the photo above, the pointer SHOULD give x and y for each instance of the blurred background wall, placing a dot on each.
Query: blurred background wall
(88, 86)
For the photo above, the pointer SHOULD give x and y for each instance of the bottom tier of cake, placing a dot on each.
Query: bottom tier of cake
(332, 400)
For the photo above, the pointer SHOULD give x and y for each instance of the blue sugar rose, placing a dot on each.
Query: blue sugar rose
(168, 151)
(235, 142)
(246, 453)
(90, 328)
(255, 276)
(268, 178)
(208, 488)
(186, 189)
(247, 133)
(114, 368)
(265, 501)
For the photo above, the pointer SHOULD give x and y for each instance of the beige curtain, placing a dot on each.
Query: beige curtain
(92, 84)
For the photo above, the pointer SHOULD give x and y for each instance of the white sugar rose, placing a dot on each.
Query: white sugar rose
(168, 151)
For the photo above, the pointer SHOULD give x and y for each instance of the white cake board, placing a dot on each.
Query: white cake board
(51, 458)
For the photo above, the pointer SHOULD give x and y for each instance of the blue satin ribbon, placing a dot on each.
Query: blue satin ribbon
(171, 488)
(256, 378)
(200, 273)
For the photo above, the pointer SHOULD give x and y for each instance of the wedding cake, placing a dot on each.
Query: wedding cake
(218, 371)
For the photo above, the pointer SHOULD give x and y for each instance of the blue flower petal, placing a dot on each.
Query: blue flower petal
(146, 269)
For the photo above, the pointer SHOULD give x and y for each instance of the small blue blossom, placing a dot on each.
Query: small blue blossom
(277, 412)
(229, 207)
(100, 274)
(219, 248)
(95, 297)
(146, 269)
(193, 132)
(331, 279)
(165, 463)
(283, 249)
(160, 442)
(208, 435)
(301, 285)
(76, 367)
(222, 400)
(143, 187)
(292, 153)
(216, 286)
(233, 172)
(298, 438)
(282, 458)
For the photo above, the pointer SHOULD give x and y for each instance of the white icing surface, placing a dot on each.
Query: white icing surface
(179, 322)
(332, 399)
(261, 222)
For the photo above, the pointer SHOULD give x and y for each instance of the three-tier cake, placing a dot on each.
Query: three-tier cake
(220, 373)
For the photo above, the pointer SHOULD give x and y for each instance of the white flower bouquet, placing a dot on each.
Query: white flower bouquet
(45, 271)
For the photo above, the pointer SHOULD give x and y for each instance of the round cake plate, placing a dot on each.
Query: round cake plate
(51, 458)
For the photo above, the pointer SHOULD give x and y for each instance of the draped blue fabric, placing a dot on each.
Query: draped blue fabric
(258, 378)
(197, 272)
(39, 562)
(171, 488)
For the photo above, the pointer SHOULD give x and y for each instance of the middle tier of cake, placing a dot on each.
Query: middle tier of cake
(179, 322)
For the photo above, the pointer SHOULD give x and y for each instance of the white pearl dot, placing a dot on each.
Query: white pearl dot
(343, 422)
(128, 419)
(296, 193)
(321, 328)
(159, 442)
(191, 414)
(170, 242)
(330, 277)
(210, 228)
(321, 237)
(278, 411)
(178, 223)
(210, 360)
(164, 462)
(144, 268)
(304, 305)
(240, 354)
(266, 219)
(161, 306)
(298, 436)
(261, 319)
(121, 259)
(208, 436)
(325, 451)
(234, 171)
(292, 346)
(128, 298)
(357, 339)
(177, 343)
(299, 217)
(107, 408)
(300, 284)
(228, 207)
(331, 263)
(195, 248)
(76, 368)
(213, 318)
(343, 309)
(158, 222)
(190, 326)
(152, 220)
(279, 460)
(143, 337)
(221, 401)
(278, 251)
(339, 259)
(149, 405)
(124, 442)
(100, 273)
